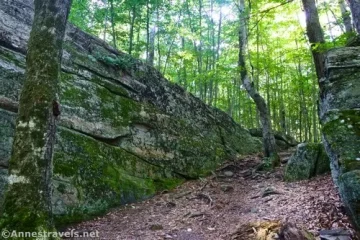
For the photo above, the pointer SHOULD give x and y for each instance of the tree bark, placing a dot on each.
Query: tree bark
(132, 25)
(147, 30)
(316, 38)
(315, 35)
(105, 20)
(184, 65)
(345, 14)
(27, 203)
(355, 11)
(200, 53)
(315, 99)
(217, 58)
(151, 53)
(112, 22)
(268, 136)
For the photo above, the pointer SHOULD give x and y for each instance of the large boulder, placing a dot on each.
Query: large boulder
(340, 119)
(309, 160)
(124, 131)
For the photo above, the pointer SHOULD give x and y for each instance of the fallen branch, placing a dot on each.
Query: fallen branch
(202, 188)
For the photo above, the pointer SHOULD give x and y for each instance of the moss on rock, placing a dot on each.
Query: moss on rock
(125, 131)
(349, 188)
(308, 161)
(94, 176)
(340, 117)
(342, 132)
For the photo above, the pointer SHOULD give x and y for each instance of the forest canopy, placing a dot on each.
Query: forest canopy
(194, 43)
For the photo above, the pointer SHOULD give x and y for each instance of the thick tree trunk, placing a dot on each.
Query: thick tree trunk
(316, 38)
(268, 136)
(315, 35)
(27, 204)
(355, 11)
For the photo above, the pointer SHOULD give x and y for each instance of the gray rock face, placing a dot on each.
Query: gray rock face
(124, 131)
(336, 234)
(340, 118)
(308, 161)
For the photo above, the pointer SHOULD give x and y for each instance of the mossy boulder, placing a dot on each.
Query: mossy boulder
(124, 132)
(308, 161)
(340, 119)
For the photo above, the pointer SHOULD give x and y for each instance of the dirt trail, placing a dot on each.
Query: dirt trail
(214, 207)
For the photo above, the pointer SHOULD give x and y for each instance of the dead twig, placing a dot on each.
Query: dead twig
(203, 186)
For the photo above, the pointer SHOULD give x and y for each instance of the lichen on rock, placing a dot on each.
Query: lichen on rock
(125, 131)
(340, 119)
(308, 161)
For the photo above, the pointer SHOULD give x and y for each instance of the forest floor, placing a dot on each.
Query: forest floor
(216, 207)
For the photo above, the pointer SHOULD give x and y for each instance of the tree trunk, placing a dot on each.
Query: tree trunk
(355, 11)
(268, 136)
(331, 35)
(137, 45)
(171, 45)
(105, 21)
(217, 58)
(213, 57)
(315, 35)
(315, 99)
(112, 22)
(183, 72)
(27, 204)
(345, 14)
(147, 31)
(200, 41)
(158, 36)
(151, 54)
(132, 26)
(282, 112)
(257, 79)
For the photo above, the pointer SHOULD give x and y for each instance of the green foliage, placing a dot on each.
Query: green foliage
(266, 165)
(125, 62)
(196, 46)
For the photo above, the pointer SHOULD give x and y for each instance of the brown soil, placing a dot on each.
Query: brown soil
(215, 207)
